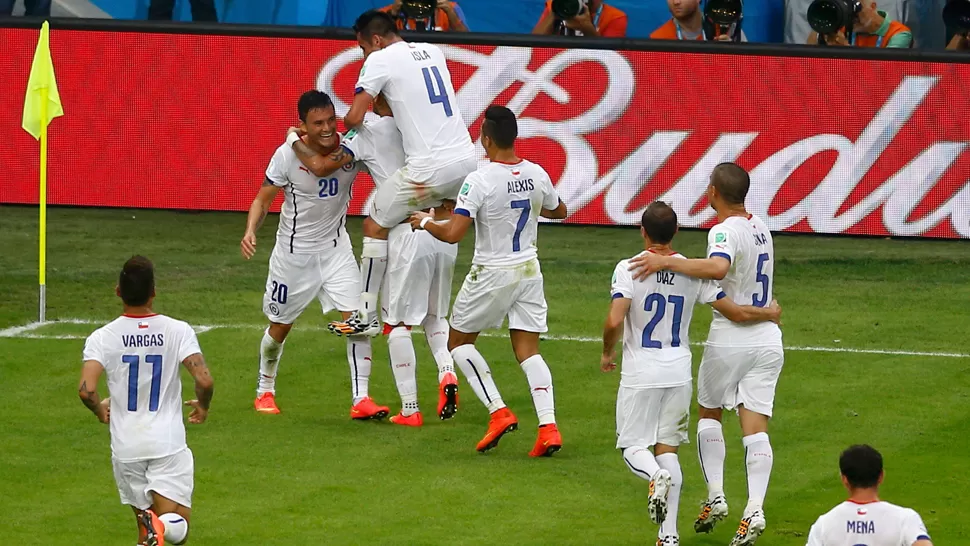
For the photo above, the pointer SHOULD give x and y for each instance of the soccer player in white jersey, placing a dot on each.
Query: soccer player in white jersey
(417, 287)
(653, 403)
(864, 519)
(140, 352)
(741, 362)
(504, 199)
(415, 80)
(313, 257)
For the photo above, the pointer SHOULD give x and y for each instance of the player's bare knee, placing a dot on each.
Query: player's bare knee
(661, 449)
(374, 230)
(752, 422)
(524, 344)
(457, 339)
(710, 413)
(279, 331)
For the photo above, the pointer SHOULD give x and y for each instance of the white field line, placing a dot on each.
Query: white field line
(27, 332)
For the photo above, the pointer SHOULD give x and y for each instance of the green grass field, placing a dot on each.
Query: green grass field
(310, 475)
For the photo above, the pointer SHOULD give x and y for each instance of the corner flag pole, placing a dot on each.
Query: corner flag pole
(42, 103)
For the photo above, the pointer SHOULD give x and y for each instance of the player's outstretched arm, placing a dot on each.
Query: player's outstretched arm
(748, 313)
(360, 106)
(558, 213)
(204, 387)
(319, 164)
(612, 330)
(88, 390)
(450, 231)
(257, 213)
(649, 263)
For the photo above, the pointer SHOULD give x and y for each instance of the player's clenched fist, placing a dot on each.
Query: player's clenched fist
(248, 245)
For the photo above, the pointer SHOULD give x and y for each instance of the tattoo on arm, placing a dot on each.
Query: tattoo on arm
(303, 150)
(89, 397)
(203, 379)
(339, 156)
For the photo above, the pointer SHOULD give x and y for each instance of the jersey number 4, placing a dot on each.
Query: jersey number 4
(657, 304)
(440, 96)
(132, 361)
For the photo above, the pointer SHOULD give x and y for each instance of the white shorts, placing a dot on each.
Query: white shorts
(404, 192)
(172, 477)
(490, 294)
(739, 376)
(294, 280)
(420, 269)
(647, 417)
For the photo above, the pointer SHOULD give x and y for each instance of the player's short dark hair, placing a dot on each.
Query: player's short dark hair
(500, 126)
(660, 222)
(312, 100)
(375, 23)
(137, 281)
(861, 465)
(732, 182)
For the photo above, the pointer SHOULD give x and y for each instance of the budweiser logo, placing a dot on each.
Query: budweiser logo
(831, 207)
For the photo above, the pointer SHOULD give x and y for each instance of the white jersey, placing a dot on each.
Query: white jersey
(314, 209)
(377, 143)
(656, 345)
(872, 524)
(747, 244)
(141, 357)
(415, 80)
(505, 201)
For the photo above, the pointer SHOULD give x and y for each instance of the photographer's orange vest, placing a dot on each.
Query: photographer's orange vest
(872, 40)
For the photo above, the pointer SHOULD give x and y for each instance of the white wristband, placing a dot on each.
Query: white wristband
(425, 221)
(292, 138)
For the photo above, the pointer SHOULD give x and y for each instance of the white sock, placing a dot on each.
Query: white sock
(641, 461)
(758, 459)
(436, 332)
(479, 376)
(359, 358)
(671, 463)
(270, 352)
(710, 451)
(403, 362)
(540, 383)
(373, 264)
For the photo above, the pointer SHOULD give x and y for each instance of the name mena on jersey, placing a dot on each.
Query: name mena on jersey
(143, 340)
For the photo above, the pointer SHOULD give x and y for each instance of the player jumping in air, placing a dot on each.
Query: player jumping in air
(415, 80)
(741, 362)
(653, 403)
(140, 352)
(313, 257)
(417, 287)
(504, 199)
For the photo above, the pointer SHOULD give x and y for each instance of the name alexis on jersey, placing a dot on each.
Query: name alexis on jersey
(516, 186)
(143, 340)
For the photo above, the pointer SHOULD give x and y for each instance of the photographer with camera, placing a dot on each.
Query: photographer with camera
(956, 15)
(581, 18)
(867, 26)
(721, 21)
(427, 15)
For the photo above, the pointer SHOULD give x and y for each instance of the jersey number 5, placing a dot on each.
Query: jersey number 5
(441, 96)
(760, 300)
(132, 362)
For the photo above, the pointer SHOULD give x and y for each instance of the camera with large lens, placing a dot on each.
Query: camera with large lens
(829, 16)
(956, 14)
(422, 12)
(723, 17)
(567, 9)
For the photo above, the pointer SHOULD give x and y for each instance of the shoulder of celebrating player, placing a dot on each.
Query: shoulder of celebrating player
(553, 206)
(473, 192)
(277, 172)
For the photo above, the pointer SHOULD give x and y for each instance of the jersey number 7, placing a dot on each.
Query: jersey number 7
(132, 362)
(441, 96)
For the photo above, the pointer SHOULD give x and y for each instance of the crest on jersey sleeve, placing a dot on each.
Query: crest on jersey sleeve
(350, 135)
(465, 188)
(720, 238)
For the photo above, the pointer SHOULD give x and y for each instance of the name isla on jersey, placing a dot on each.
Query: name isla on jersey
(421, 55)
(143, 340)
(516, 186)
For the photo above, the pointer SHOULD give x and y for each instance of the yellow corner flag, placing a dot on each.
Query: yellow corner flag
(41, 105)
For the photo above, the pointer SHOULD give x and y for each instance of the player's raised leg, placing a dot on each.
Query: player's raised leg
(403, 362)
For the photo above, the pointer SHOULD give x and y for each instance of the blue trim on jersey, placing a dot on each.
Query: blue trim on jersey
(348, 150)
(922, 537)
(721, 295)
(618, 295)
(358, 90)
(293, 233)
(720, 255)
(463, 212)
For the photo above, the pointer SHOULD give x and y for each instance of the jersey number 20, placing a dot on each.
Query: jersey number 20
(440, 96)
(132, 361)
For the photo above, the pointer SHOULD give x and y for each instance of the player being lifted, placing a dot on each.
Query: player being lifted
(140, 352)
(313, 257)
(653, 402)
(504, 199)
(741, 362)
(417, 288)
(415, 80)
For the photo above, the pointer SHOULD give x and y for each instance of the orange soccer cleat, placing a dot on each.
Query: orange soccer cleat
(448, 397)
(368, 409)
(500, 422)
(413, 420)
(266, 403)
(154, 528)
(549, 441)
